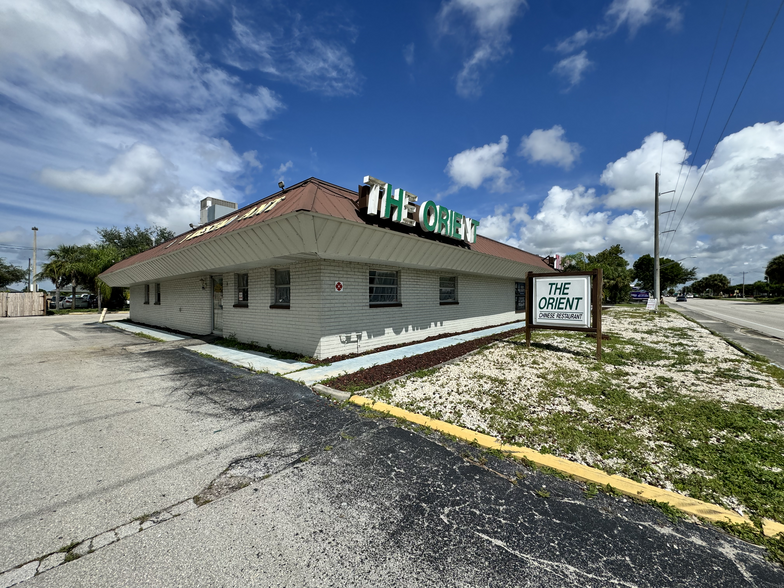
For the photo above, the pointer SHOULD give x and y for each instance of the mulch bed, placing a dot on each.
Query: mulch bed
(383, 373)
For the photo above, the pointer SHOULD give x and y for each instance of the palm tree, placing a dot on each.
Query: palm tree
(53, 270)
(97, 259)
(68, 259)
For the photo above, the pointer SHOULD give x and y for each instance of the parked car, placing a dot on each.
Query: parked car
(681, 298)
(81, 302)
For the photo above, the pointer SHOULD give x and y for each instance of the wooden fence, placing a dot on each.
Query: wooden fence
(22, 304)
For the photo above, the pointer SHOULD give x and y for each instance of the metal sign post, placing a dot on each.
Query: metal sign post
(559, 302)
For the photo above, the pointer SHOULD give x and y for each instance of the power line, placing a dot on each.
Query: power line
(710, 110)
(699, 105)
(737, 100)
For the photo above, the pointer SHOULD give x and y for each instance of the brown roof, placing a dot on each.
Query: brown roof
(320, 197)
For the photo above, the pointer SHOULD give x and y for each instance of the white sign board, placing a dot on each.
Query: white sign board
(651, 304)
(562, 301)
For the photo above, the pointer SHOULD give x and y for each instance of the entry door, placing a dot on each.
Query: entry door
(217, 305)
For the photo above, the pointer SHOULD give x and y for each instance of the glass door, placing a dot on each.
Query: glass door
(217, 305)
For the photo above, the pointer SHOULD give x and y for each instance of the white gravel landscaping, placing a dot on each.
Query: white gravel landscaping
(670, 404)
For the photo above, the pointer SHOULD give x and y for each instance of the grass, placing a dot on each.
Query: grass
(150, 337)
(630, 414)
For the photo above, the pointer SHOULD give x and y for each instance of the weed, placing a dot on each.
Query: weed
(71, 556)
(328, 448)
(150, 337)
(346, 436)
(672, 513)
(543, 493)
(591, 491)
(304, 458)
(69, 547)
(773, 545)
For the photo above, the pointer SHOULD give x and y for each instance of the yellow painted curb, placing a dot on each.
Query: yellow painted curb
(711, 512)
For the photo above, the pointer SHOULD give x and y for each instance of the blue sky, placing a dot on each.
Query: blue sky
(545, 119)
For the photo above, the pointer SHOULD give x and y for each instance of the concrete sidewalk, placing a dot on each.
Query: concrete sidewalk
(162, 335)
(307, 373)
(349, 366)
(254, 360)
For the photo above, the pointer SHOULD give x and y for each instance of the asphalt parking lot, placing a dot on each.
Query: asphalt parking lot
(101, 428)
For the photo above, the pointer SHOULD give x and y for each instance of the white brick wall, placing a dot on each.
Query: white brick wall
(322, 322)
(184, 306)
(349, 325)
(294, 329)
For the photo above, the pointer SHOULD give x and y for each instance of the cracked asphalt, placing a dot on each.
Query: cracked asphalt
(98, 428)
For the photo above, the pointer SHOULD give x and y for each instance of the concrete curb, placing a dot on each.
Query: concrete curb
(331, 392)
(711, 512)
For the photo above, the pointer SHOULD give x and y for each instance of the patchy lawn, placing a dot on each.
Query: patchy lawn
(670, 404)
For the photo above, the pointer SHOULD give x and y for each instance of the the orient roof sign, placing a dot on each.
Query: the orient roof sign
(398, 206)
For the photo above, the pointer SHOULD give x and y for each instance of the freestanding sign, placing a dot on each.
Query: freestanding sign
(566, 301)
(562, 301)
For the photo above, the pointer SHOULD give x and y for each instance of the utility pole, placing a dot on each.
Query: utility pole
(744, 284)
(29, 276)
(35, 263)
(656, 268)
(656, 288)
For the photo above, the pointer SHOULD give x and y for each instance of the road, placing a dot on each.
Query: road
(103, 432)
(756, 327)
(765, 318)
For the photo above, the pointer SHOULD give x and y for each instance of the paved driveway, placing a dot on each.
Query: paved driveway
(101, 427)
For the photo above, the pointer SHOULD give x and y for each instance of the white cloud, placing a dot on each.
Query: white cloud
(631, 178)
(133, 173)
(489, 21)
(475, 166)
(250, 157)
(550, 146)
(284, 167)
(733, 223)
(76, 78)
(632, 14)
(296, 52)
(408, 53)
(141, 177)
(573, 68)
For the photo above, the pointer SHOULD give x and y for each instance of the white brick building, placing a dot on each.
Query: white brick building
(316, 269)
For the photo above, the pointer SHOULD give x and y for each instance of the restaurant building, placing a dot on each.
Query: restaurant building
(323, 270)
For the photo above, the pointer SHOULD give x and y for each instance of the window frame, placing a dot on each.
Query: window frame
(371, 286)
(146, 294)
(279, 286)
(157, 293)
(241, 292)
(442, 288)
(518, 295)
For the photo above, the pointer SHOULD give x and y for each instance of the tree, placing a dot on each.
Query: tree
(617, 279)
(615, 273)
(70, 260)
(574, 262)
(775, 270)
(715, 283)
(97, 259)
(671, 273)
(10, 274)
(131, 241)
(55, 271)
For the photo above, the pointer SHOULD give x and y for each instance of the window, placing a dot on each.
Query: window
(146, 293)
(157, 293)
(447, 290)
(282, 289)
(519, 296)
(242, 290)
(383, 288)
